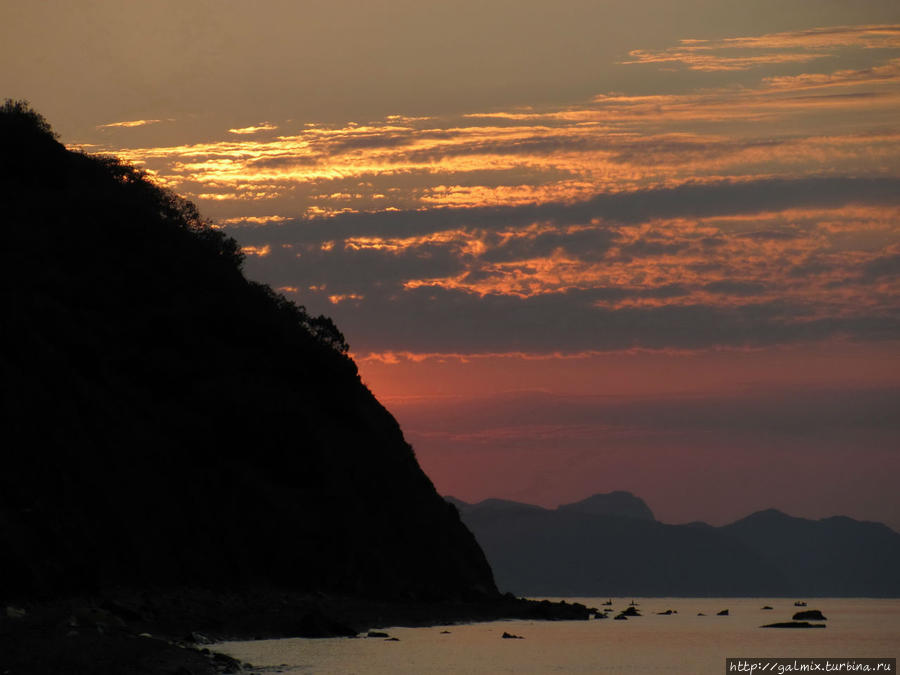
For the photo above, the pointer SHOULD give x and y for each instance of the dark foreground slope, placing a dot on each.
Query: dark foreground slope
(184, 450)
(617, 548)
(168, 422)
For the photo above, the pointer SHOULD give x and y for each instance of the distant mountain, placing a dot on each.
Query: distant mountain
(835, 556)
(617, 503)
(168, 423)
(607, 545)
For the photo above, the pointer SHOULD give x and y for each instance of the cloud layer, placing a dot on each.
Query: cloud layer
(686, 248)
(730, 216)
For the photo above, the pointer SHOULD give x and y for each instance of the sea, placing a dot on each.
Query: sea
(683, 642)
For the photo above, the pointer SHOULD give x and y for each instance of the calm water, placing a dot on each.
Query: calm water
(680, 643)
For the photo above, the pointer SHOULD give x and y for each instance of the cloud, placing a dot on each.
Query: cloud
(784, 412)
(744, 288)
(128, 125)
(721, 198)
(879, 74)
(882, 267)
(815, 124)
(435, 319)
(262, 126)
(720, 55)
(697, 267)
(740, 216)
(712, 62)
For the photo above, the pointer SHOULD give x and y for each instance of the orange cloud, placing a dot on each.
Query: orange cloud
(506, 158)
(264, 126)
(336, 299)
(711, 62)
(128, 125)
(718, 55)
(257, 251)
(811, 125)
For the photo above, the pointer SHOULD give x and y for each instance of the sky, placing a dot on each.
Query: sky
(575, 246)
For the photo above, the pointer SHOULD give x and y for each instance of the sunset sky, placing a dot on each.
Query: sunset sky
(575, 246)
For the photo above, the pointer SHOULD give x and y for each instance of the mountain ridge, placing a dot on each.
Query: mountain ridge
(561, 552)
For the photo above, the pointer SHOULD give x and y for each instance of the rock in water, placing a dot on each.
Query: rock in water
(809, 615)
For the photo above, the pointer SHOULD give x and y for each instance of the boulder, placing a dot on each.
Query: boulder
(809, 615)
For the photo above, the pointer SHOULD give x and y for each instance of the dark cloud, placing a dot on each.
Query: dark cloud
(283, 162)
(432, 319)
(611, 316)
(665, 291)
(727, 287)
(881, 267)
(654, 150)
(345, 270)
(588, 244)
(771, 235)
(691, 200)
(713, 242)
(810, 268)
(787, 412)
(380, 139)
(645, 248)
(622, 149)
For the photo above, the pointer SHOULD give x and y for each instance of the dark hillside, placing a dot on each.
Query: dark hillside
(168, 423)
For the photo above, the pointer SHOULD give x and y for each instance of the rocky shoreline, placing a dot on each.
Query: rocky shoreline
(169, 632)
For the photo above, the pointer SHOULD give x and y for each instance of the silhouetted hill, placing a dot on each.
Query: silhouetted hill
(493, 505)
(570, 551)
(169, 423)
(835, 556)
(616, 503)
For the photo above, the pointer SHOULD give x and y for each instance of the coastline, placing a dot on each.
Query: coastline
(144, 632)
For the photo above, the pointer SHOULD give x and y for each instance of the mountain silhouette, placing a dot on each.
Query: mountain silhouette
(611, 548)
(836, 556)
(169, 423)
(618, 503)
